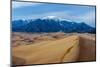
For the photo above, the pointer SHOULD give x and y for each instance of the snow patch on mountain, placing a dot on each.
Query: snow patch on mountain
(55, 18)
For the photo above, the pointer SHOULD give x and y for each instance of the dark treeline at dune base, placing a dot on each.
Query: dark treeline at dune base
(51, 25)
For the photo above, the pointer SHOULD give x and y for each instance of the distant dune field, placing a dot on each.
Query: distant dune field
(57, 48)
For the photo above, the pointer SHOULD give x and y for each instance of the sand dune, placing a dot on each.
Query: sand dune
(63, 50)
(69, 49)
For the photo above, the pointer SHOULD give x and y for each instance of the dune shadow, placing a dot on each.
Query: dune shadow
(87, 49)
(18, 61)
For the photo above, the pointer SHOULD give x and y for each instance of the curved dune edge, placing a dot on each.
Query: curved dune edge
(69, 49)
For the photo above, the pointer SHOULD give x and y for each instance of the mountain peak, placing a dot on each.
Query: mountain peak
(50, 17)
(55, 18)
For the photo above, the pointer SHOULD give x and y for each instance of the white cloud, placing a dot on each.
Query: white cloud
(22, 4)
(88, 18)
(60, 14)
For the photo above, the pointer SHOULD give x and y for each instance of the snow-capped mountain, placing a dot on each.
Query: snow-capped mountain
(51, 24)
(51, 18)
(54, 18)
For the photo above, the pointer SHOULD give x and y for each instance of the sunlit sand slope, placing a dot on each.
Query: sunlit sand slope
(58, 51)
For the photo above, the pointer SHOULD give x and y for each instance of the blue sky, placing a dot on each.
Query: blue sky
(29, 10)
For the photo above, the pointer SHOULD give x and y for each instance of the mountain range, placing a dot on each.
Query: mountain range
(51, 24)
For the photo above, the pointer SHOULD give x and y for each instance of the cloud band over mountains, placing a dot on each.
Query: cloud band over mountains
(29, 10)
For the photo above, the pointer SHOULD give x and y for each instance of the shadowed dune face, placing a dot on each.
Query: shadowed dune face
(66, 49)
(18, 61)
(87, 49)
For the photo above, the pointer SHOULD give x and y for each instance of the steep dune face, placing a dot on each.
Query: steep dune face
(63, 50)
(87, 48)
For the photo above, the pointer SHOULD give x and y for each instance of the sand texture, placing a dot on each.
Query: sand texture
(66, 49)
